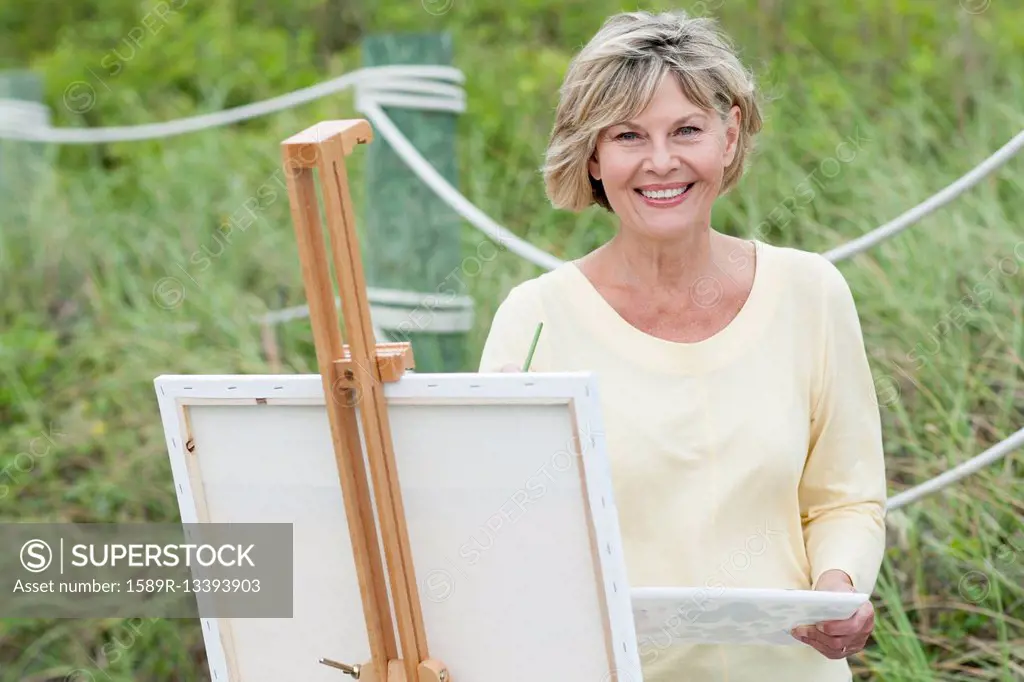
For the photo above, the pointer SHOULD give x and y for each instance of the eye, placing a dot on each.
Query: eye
(627, 136)
(689, 130)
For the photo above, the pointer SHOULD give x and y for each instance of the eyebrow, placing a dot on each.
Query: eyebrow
(679, 121)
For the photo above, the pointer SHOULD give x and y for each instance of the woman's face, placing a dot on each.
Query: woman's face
(662, 170)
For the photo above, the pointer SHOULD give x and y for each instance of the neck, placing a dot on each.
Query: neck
(637, 261)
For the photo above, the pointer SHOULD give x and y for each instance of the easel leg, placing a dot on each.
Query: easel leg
(358, 367)
(344, 426)
(373, 406)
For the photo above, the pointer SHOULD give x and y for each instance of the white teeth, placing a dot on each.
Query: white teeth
(663, 193)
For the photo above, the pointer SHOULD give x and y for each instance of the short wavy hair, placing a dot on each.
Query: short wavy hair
(615, 76)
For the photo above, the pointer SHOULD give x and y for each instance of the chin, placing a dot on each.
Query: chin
(661, 227)
(666, 223)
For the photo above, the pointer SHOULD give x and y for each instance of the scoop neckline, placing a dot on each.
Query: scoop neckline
(611, 328)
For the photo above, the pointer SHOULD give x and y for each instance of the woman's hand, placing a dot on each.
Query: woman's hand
(839, 638)
(510, 368)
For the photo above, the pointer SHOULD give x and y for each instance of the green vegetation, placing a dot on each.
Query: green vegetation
(111, 273)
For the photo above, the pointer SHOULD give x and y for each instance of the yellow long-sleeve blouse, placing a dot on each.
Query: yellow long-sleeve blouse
(750, 459)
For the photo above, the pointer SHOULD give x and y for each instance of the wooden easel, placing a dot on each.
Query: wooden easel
(353, 376)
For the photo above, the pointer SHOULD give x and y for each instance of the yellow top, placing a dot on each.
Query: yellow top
(750, 459)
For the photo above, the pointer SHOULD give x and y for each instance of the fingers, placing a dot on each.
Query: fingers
(510, 368)
(831, 646)
(831, 637)
(863, 620)
(825, 650)
(834, 647)
(829, 652)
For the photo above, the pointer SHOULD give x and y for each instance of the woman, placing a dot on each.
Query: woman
(739, 406)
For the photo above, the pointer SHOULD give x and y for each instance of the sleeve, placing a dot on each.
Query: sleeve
(843, 488)
(511, 333)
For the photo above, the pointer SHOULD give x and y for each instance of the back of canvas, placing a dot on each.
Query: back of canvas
(275, 465)
(498, 524)
(519, 573)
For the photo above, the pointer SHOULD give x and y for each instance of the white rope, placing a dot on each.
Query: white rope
(393, 309)
(17, 114)
(977, 174)
(397, 92)
(961, 471)
(446, 315)
(370, 96)
(451, 196)
(370, 75)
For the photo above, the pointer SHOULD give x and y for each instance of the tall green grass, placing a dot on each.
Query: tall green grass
(111, 276)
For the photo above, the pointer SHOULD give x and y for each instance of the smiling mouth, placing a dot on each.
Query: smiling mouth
(665, 194)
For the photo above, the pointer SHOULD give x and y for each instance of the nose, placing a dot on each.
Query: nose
(662, 158)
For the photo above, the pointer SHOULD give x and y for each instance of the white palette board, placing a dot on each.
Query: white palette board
(512, 524)
(719, 615)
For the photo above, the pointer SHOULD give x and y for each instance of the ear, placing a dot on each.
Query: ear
(594, 166)
(732, 135)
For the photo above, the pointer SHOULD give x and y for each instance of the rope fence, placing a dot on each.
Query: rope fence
(417, 75)
(908, 218)
(958, 473)
(439, 88)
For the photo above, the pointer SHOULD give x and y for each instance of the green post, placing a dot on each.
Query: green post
(20, 162)
(412, 236)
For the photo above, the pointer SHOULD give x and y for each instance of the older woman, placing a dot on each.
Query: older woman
(740, 410)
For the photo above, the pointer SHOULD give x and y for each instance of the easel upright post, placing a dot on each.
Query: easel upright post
(352, 376)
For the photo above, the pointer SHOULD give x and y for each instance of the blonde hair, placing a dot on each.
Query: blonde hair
(615, 76)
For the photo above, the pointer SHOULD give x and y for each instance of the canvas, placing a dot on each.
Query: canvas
(719, 615)
(508, 499)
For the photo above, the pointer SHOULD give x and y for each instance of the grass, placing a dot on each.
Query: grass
(113, 276)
